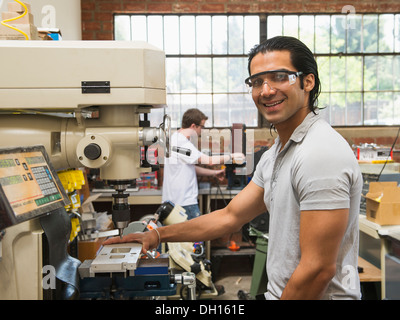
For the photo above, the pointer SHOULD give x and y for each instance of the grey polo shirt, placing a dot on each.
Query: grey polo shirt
(316, 170)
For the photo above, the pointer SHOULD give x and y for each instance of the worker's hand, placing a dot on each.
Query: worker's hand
(220, 174)
(238, 158)
(148, 239)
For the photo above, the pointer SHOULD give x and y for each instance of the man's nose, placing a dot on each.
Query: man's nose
(266, 89)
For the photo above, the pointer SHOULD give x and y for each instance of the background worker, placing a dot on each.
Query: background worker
(309, 181)
(180, 170)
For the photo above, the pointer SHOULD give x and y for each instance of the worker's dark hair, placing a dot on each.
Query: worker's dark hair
(301, 57)
(192, 116)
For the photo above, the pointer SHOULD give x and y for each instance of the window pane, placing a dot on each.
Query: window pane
(385, 73)
(291, 26)
(187, 35)
(204, 103)
(396, 103)
(251, 32)
(188, 72)
(203, 34)
(370, 33)
(354, 74)
(324, 73)
(236, 74)
(204, 79)
(155, 31)
(338, 74)
(172, 70)
(171, 30)
(235, 29)
(396, 73)
(219, 35)
(385, 108)
(354, 108)
(322, 29)
(274, 26)
(122, 28)
(397, 33)
(386, 32)
(338, 109)
(188, 101)
(220, 75)
(221, 110)
(370, 73)
(338, 33)
(173, 109)
(307, 31)
(324, 105)
(242, 109)
(354, 32)
(370, 108)
(139, 28)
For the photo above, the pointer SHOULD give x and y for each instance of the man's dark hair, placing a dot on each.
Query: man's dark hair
(192, 116)
(301, 58)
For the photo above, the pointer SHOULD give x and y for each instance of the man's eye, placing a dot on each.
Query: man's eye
(280, 77)
(257, 82)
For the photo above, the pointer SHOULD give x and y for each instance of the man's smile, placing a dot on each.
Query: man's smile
(274, 103)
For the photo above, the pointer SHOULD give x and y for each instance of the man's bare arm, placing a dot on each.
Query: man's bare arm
(243, 208)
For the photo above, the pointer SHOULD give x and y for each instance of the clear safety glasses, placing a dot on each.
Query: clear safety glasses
(275, 79)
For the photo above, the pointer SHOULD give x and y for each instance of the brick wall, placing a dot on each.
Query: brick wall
(97, 24)
(97, 15)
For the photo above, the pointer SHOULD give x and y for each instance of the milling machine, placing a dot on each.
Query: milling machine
(82, 101)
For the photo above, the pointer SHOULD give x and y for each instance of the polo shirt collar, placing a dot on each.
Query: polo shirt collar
(300, 132)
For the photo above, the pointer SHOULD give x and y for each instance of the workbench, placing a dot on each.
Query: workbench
(154, 196)
(380, 234)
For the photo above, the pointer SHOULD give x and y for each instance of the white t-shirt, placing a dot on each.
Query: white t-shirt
(316, 170)
(180, 180)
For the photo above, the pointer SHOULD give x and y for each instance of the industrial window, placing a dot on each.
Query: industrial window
(358, 57)
(206, 63)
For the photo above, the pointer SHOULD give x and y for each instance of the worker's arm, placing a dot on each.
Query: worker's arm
(200, 171)
(321, 234)
(237, 157)
(243, 208)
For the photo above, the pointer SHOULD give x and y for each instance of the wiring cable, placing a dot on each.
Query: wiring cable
(15, 18)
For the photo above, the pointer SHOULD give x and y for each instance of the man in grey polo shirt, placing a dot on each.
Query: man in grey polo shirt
(309, 181)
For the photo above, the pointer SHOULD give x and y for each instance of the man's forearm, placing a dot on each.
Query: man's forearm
(206, 227)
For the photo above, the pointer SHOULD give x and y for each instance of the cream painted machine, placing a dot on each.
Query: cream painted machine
(81, 100)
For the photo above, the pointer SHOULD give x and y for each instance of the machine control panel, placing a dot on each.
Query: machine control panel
(29, 186)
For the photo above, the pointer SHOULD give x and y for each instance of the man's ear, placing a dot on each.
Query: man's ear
(308, 82)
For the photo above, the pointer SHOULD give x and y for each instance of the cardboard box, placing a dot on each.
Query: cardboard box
(16, 7)
(87, 249)
(27, 19)
(383, 203)
(7, 33)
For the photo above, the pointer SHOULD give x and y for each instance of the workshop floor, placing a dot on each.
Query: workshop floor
(234, 275)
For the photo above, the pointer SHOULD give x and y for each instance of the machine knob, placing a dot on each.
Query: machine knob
(92, 151)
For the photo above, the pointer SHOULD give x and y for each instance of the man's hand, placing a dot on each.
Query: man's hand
(220, 174)
(238, 158)
(149, 239)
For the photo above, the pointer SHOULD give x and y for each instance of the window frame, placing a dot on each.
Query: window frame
(330, 56)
